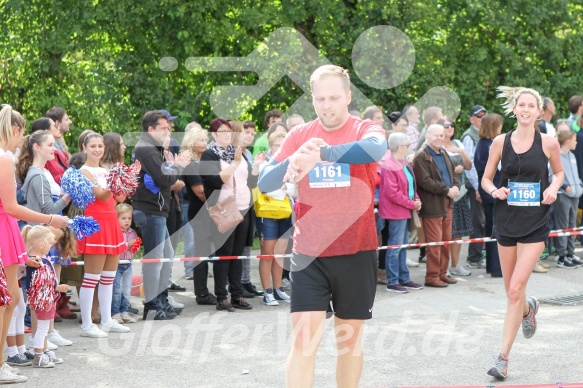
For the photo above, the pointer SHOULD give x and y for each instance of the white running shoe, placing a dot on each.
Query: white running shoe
(114, 327)
(56, 338)
(269, 299)
(50, 345)
(175, 304)
(7, 376)
(460, 271)
(410, 263)
(281, 295)
(93, 332)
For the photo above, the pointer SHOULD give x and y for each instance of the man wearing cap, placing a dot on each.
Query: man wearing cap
(174, 220)
(470, 139)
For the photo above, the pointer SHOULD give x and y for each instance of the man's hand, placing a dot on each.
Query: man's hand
(478, 197)
(177, 186)
(303, 160)
(453, 192)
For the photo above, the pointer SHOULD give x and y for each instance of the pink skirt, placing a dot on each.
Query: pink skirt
(12, 246)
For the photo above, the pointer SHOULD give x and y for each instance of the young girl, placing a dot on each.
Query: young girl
(123, 278)
(102, 249)
(42, 194)
(39, 240)
(12, 127)
(565, 207)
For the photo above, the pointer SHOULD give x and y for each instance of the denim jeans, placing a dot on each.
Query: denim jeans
(122, 285)
(396, 259)
(157, 245)
(188, 236)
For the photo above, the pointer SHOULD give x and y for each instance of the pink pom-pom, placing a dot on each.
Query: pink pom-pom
(122, 179)
(5, 298)
(41, 293)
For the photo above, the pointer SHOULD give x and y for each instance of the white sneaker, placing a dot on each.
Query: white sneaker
(56, 338)
(281, 295)
(8, 377)
(114, 327)
(93, 332)
(411, 263)
(53, 357)
(175, 304)
(127, 318)
(460, 271)
(269, 299)
(285, 284)
(50, 345)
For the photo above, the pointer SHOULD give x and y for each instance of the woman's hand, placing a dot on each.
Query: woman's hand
(62, 288)
(59, 221)
(238, 154)
(458, 169)
(417, 205)
(502, 193)
(549, 195)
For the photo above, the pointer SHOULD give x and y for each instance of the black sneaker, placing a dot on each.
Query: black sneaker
(244, 292)
(241, 303)
(565, 262)
(209, 299)
(575, 260)
(252, 289)
(224, 305)
(171, 310)
(176, 287)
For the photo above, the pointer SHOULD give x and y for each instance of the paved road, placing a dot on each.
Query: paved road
(428, 337)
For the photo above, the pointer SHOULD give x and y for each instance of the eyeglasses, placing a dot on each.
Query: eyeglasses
(446, 126)
(224, 131)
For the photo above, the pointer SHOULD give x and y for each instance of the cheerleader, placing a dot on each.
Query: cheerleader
(43, 290)
(102, 249)
(12, 126)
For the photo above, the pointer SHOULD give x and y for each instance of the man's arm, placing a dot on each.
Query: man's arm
(153, 164)
(367, 150)
(471, 174)
(271, 177)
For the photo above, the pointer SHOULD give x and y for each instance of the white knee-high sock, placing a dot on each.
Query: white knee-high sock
(42, 329)
(90, 281)
(105, 294)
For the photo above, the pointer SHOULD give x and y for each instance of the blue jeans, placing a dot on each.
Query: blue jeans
(188, 236)
(157, 245)
(122, 285)
(396, 259)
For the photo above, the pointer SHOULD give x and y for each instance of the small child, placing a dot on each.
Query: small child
(565, 207)
(39, 240)
(122, 283)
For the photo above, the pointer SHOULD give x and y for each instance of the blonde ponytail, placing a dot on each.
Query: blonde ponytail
(511, 94)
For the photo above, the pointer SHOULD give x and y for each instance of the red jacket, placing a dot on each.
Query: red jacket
(394, 203)
(58, 165)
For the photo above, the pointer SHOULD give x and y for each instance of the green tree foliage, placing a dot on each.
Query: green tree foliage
(100, 59)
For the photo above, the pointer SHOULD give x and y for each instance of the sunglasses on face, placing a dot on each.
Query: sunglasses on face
(446, 126)
(480, 115)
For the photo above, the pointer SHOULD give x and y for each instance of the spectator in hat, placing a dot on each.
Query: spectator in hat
(470, 140)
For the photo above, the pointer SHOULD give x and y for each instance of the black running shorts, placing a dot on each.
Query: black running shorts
(349, 281)
(538, 235)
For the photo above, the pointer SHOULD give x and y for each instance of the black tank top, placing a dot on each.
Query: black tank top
(530, 166)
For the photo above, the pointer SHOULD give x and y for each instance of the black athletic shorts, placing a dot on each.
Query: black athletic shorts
(537, 235)
(350, 281)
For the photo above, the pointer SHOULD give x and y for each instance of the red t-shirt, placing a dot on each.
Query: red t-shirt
(334, 221)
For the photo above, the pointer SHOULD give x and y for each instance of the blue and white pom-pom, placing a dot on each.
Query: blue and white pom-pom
(83, 226)
(78, 187)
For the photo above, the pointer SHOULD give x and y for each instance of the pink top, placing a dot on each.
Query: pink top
(243, 193)
(394, 202)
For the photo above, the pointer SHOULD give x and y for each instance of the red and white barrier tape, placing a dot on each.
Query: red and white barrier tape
(554, 233)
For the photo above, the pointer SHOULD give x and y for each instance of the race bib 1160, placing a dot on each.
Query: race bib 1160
(524, 194)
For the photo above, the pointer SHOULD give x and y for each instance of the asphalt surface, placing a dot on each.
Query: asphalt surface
(430, 337)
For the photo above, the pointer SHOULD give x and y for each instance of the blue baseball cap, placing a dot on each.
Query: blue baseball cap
(170, 117)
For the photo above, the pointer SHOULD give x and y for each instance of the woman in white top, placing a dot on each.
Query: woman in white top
(101, 249)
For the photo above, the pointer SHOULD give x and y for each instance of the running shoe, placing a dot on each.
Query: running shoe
(56, 338)
(529, 322)
(281, 295)
(269, 299)
(460, 271)
(500, 368)
(576, 260)
(566, 262)
(411, 264)
(397, 288)
(18, 360)
(411, 285)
